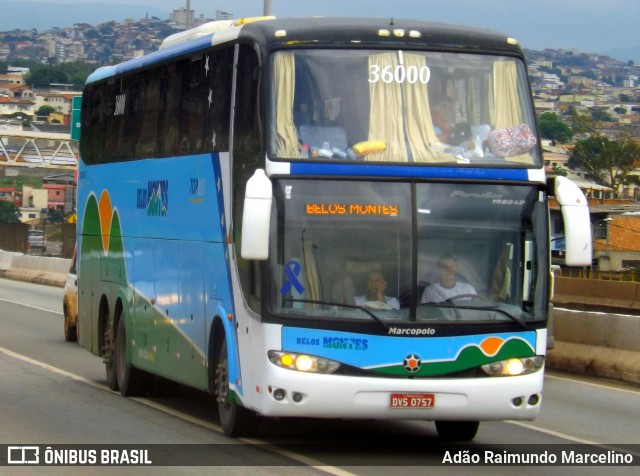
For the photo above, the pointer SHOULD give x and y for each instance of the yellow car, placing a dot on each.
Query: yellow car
(70, 303)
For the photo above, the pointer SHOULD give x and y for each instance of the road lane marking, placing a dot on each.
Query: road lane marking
(557, 434)
(310, 462)
(53, 369)
(31, 307)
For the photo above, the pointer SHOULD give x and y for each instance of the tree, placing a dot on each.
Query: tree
(9, 213)
(606, 161)
(55, 216)
(551, 127)
(44, 76)
(45, 111)
(601, 115)
(581, 123)
(557, 170)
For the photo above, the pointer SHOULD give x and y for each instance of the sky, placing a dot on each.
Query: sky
(593, 26)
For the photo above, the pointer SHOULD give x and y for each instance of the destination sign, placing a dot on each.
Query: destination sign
(366, 209)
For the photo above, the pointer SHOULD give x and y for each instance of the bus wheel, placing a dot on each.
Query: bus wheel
(70, 332)
(457, 430)
(108, 357)
(131, 380)
(234, 419)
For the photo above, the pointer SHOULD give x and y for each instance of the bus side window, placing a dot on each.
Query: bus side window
(248, 128)
(218, 99)
(170, 93)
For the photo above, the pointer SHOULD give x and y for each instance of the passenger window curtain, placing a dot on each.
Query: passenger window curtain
(287, 138)
(419, 125)
(507, 102)
(506, 94)
(488, 112)
(473, 111)
(386, 121)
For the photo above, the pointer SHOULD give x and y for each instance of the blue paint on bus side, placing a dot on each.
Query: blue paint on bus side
(175, 252)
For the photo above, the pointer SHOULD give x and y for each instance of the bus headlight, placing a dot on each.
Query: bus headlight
(302, 362)
(511, 367)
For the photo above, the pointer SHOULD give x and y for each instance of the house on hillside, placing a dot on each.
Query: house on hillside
(616, 235)
(12, 106)
(16, 91)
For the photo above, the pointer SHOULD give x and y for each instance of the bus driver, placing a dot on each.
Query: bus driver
(447, 286)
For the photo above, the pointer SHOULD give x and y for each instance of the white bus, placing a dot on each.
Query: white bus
(331, 218)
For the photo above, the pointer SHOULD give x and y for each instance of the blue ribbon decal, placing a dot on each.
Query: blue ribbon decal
(292, 270)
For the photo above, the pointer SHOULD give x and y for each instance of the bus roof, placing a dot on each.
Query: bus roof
(323, 31)
(389, 33)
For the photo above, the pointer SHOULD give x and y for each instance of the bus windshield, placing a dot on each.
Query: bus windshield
(401, 106)
(408, 252)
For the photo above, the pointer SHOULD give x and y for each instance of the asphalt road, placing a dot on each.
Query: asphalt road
(54, 393)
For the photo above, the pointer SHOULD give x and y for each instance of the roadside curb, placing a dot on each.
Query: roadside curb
(35, 269)
(602, 344)
(597, 361)
(39, 277)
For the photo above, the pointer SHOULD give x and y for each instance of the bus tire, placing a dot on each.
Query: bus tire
(108, 355)
(457, 430)
(234, 419)
(131, 381)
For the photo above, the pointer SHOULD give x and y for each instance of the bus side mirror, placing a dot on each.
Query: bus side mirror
(577, 222)
(256, 217)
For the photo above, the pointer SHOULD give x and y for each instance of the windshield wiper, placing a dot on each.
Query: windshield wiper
(348, 306)
(450, 304)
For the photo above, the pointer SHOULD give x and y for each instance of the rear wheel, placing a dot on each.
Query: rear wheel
(234, 419)
(108, 351)
(457, 430)
(131, 381)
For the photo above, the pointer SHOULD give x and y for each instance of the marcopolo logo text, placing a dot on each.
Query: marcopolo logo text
(411, 331)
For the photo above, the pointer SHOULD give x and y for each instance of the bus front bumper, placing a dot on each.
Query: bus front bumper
(298, 394)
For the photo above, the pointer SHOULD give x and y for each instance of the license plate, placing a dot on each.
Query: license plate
(412, 400)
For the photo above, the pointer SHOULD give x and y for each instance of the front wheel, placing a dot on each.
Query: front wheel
(234, 419)
(457, 430)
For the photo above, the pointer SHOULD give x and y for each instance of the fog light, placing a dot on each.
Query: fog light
(534, 399)
(297, 397)
(517, 401)
(279, 394)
